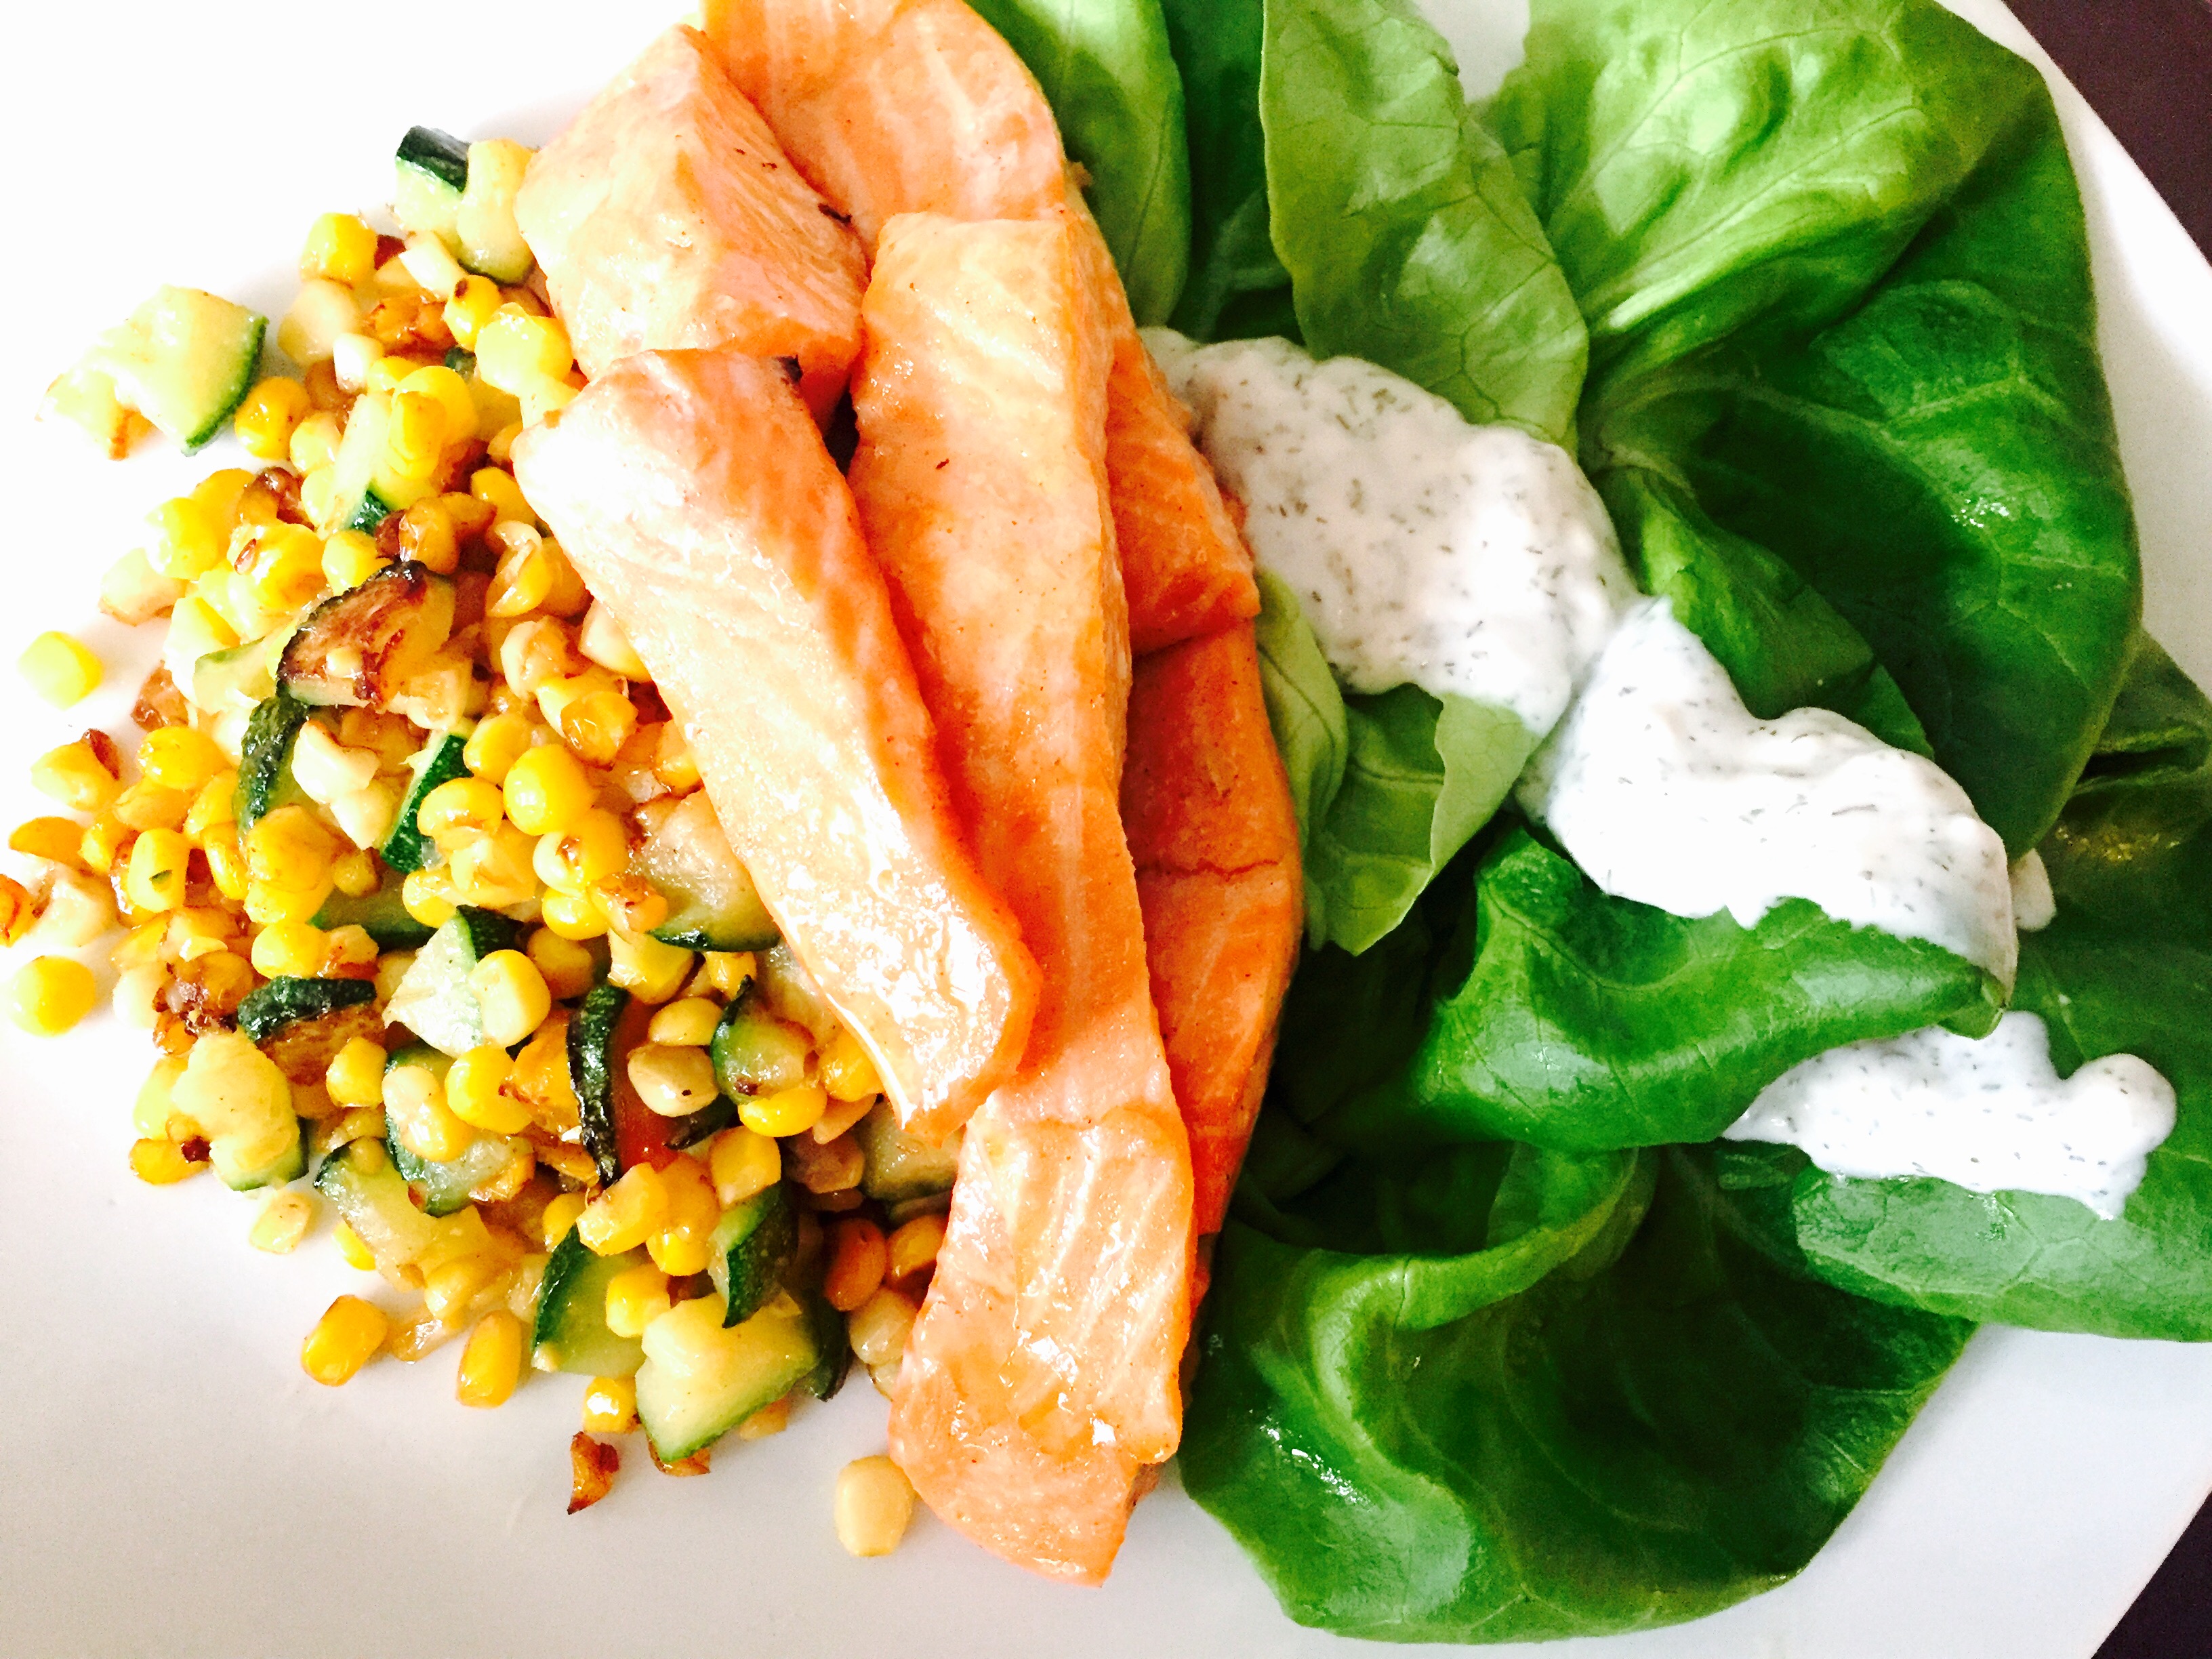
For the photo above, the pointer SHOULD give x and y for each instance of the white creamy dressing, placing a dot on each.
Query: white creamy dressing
(1468, 560)
(1666, 790)
(1990, 1115)
(2033, 906)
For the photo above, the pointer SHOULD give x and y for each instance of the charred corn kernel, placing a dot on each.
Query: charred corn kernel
(340, 247)
(351, 1246)
(847, 1071)
(497, 743)
(162, 1163)
(350, 559)
(672, 1081)
(223, 495)
(566, 966)
(355, 873)
(75, 775)
(842, 1116)
(874, 1506)
(534, 654)
(59, 669)
(147, 805)
(684, 1244)
(594, 721)
(460, 810)
(572, 916)
(621, 1217)
(451, 1288)
(635, 1297)
(689, 1023)
(472, 1091)
(154, 879)
(858, 1258)
(293, 949)
(525, 578)
(355, 1077)
(426, 534)
(587, 849)
(325, 768)
(314, 442)
(51, 994)
(381, 372)
(268, 417)
(187, 541)
(515, 350)
(180, 757)
(602, 640)
(786, 1112)
(499, 490)
(288, 848)
(560, 1215)
(493, 871)
(226, 861)
(416, 1110)
(547, 791)
(611, 1405)
(878, 1327)
(632, 903)
(345, 1339)
(649, 970)
(513, 995)
(771, 1418)
(283, 1222)
(474, 301)
(18, 911)
(349, 952)
(741, 1162)
(288, 568)
(672, 763)
(913, 1246)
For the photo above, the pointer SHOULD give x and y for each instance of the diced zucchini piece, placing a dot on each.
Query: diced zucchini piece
(432, 170)
(829, 1337)
(571, 1333)
(754, 1051)
(243, 1105)
(897, 1166)
(461, 361)
(370, 1197)
(365, 490)
(407, 849)
(265, 760)
(753, 1246)
(701, 1379)
(383, 915)
(792, 992)
(240, 679)
(713, 904)
(301, 1024)
(433, 999)
(184, 360)
(607, 1025)
(86, 397)
(490, 243)
(444, 1186)
(356, 648)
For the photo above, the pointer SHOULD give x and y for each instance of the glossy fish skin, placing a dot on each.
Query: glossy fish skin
(666, 215)
(1206, 806)
(693, 493)
(1040, 1383)
(895, 106)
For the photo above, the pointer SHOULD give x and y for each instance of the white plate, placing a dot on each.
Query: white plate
(171, 1483)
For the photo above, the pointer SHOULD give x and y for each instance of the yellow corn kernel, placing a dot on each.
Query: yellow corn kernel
(514, 350)
(416, 1110)
(355, 873)
(19, 912)
(632, 903)
(226, 861)
(215, 805)
(269, 415)
(878, 1327)
(493, 871)
(350, 559)
(154, 880)
(459, 810)
(147, 805)
(602, 641)
(266, 903)
(683, 1245)
(491, 1363)
(187, 541)
(687, 1024)
(475, 300)
(288, 848)
(635, 1297)
(51, 994)
(283, 1222)
(314, 442)
(59, 669)
(611, 1405)
(290, 949)
(566, 966)
(560, 1215)
(512, 995)
(345, 1339)
(340, 247)
(621, 1217)
(874, 1507)
(597, 724)
(452, 1287)
(525, 579)
(75, 775)
(288, 566)
(672, 762)
(351, 1246)
(415, 436)
(426, 535)
(534, 653)
(376, 371)
(857, 1259)
(472, 1091)
(742, 1163)
(180, 757)
(913, 1246)
(355, 1077)
(499, 489)
(572, 916)
(451, 392)
(162, 1163)
(428, 897)
(591, 847)
(497, 743)
(649, 970)
(547, 791)
(725, 973)
(786, 1112)
(847, 1071)
(672, 1081)
(842, 1116)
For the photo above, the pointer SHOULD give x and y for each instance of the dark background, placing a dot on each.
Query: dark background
(2146, 65)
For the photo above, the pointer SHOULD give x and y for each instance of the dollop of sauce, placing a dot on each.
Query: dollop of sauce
(1666, 790)
(1467, 560)
(1990, 1115)
(2034, 908)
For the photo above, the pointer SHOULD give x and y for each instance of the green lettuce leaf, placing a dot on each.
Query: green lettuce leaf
(1398, 216)
(1561, 1016)
(1474, 1399)
(1106, 67)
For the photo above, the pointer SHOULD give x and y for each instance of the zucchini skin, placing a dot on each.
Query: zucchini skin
(267, 1009)
(755, 1245)
(406, 848)
(441, 155)
(382, 914)
(226, 405)
(591, 1073)
(264, 761)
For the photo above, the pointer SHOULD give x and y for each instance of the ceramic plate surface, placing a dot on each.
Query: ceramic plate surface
(171, 1483)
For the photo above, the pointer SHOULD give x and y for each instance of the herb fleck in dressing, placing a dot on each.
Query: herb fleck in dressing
(1468, 560)
(1990, 1115)
(1666, 789)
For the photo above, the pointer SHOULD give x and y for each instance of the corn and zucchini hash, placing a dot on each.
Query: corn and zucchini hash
(439, 943)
